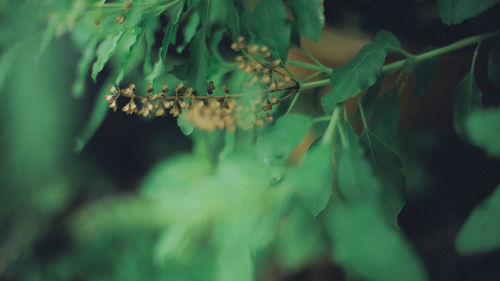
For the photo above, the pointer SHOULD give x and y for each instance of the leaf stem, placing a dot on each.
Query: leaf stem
(311, 57)
(308, 65)
(399, 64)
(334, 119)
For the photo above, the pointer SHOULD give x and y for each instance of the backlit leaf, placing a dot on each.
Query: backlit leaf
(307, 15)
(483, 129)
(466, 98)
(83, 67)
(135, 40)
(105, 50)
(456, 11)
(269, 22)
(367, 247)
(481, 230)
(170, 31)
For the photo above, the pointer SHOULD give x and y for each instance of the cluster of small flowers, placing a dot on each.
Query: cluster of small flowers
(267, 72)
(207, 113)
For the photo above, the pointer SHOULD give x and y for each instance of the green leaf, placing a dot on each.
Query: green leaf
(187, 127)
(369, 100)
(170, 31)
(483, 129)
(481, 230)
(83, 66)
(389, 171)
(456, 11)
(494, 63)
(6, 62)
(278, 141)
(425, 73)
(47, 36)
(358, 74)
(269, 22)
(135, 40)
(105, 50)
(366, 246)
(307, 15)
(466, 98)
(189, 30)
(98, 115)
(386, 114)
(198, 63)
(314, 178)
(150, 27)
(388, 39)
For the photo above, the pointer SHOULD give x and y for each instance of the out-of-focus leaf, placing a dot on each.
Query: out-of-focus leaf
(466, 98)
(483, 129)
(105, 50)
(389, 171)
(269, 22)
(229, 145)
(278, 141)
(314, 178)
(170, 31)
(135, 40)
(98, 114)
(385, 121)
(198, 63)
(367, 247)
(47, 36)
(456, 11)
(494, 63)
(481, 230)
(83, 67)
(150, 27)
(187, 127)
(308, 17)
(6, 61)
(425, 73)
(299, 225)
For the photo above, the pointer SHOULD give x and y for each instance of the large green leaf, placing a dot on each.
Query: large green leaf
(269, 22)
(307, 15)
(386, 114)
(456, 11)
(198, 63)
(105, 50)
(466, 98)
(366, 246)
(362, 71)
(278, 141)
(6, 61)
(389, 172)
(314, 178)
(483, 129)
(481, 230)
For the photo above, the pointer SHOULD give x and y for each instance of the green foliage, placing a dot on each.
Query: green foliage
(270, 25)
(466, 99)
(366, 246)
(279, 191)
(456, 11)
(480, 231)
(361, 72)
(482, 127)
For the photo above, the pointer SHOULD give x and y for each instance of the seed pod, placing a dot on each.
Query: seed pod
(109, 97)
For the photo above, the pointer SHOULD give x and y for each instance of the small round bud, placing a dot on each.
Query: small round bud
(109, 97)
(120, 19)
(276, 62)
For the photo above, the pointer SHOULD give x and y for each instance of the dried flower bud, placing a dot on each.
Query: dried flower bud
(272, 86)
(241, 39)
(179, 87)
(109, 97)
(267, 55)
(150, 88)
(242, 65)
(287, 79)
(120, 19)
(235, 47)
(265, 79)
(281, 85)
(276, 62)
(225, 88)
(247, 69)
(113, 89)
(128, 5)
(269, 118)
(274, 99)
(164, 88)
(252, 49)
(211, 87)
(160, 111)
(263, 49)
(113, 105)
(239, 58)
